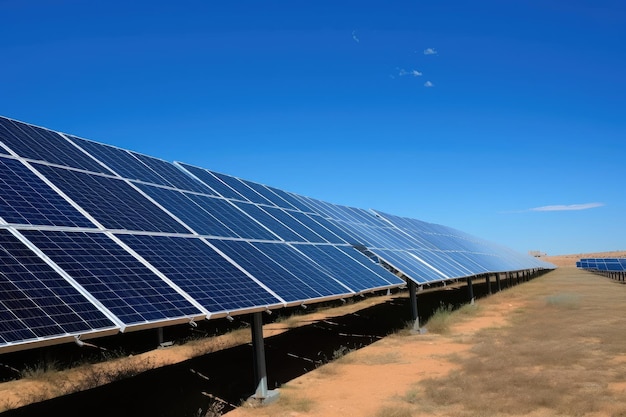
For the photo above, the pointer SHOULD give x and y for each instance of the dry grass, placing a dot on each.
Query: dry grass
(557, 354)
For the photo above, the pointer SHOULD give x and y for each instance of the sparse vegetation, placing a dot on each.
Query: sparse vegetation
(439, 322)
(394, 411)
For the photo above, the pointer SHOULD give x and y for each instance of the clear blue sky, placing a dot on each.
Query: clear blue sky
(505, 119)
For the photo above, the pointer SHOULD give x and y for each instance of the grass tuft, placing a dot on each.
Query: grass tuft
(440, 321)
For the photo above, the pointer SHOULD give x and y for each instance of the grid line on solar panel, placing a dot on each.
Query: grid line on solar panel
(121, 161)
(125, 286)
(212, 181)
(319, 225)
(280, 229)
(242, 188)
(173, 175)
(443, 262)
(280, 279)
(354, 274)
(237, 220)
(306, 270)
(26, 199)
(36, 302)
(185, 209)
(201, 272)
(291, 199)
(111, 201)
(290, 221)
(265, 191)
(36, 143)
(409, 265)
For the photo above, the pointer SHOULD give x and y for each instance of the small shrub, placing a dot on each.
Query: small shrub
(394, 411)
(439, 322)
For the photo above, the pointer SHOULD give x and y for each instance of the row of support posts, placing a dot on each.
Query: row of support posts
(615, 275)
(264, 395)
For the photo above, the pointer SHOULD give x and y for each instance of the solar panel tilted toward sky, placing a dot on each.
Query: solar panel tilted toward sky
(96, 239)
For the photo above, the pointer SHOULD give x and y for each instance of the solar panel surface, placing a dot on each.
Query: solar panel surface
(36, 302)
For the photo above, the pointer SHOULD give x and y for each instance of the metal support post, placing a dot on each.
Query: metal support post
(470, 290)
(262, 394)
(498, 282)
(414, 311)
(488, 282)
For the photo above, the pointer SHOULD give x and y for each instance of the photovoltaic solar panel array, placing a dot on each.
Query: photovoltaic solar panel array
(96, 239)
(602, 264)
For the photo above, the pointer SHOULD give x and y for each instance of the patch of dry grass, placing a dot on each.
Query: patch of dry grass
(556, 354)
(394, 410)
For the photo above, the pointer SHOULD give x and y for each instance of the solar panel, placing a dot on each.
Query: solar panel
(289, 220)
(356, 274)
(37, 303)
(603, 264)
(26, 199)
(291, 199)
(212, 181)
(242, 224)
(242, 188)
(44, 145)
(201, 272)
(284, 282)
(255, 211)
(410, 265)
(175, 176)
(112, 202)
(128, 288)
(125, 240)
(121, 161)
(179, 204)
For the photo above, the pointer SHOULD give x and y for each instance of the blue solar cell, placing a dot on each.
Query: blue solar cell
(270, 222)
(194, 216)
(200, 271)
(290, 221)
(113, 276)
(357, 275)
(242, 188)
(212, 181)
(36, 302)
(302, 267)
(120, 160)
(173, 175)
(45, 145)
(237, 220)
(281, 280)
(273, 198)
(443, 262)
(112, 202)
(290, 199)
(319, 225)
(26, 199)
(409, 265)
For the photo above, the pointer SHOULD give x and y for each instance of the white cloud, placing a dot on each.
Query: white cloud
(430, 51)
(414, 73)
(428, 84)
(356, 39)
(568, 207)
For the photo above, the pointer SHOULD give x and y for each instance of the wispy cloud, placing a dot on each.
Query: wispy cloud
(428, 84)
(415, 73)
(430, 51)
(567, 207)
(354, 37)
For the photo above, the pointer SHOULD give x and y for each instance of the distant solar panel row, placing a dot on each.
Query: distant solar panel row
(602, 264)
(96, 239)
